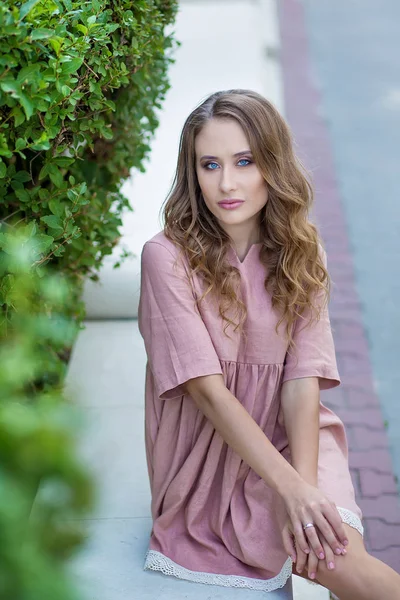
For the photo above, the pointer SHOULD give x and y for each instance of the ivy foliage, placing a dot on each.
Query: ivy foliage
(80, 85)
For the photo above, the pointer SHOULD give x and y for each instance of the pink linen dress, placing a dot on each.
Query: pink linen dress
(215, 521)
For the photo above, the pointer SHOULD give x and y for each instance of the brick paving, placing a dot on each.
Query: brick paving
(355, 401)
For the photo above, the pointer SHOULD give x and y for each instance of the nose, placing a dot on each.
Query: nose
(227, 181)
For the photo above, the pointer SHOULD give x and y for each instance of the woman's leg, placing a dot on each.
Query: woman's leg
(358, 575)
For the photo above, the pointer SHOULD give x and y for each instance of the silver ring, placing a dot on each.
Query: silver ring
(308, 525)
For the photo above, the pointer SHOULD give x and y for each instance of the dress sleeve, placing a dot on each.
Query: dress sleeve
(314, 352)
(177, 342)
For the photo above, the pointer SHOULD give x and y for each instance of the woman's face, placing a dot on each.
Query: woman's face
(226, 170)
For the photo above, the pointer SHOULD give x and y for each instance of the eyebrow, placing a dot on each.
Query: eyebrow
(237, 154)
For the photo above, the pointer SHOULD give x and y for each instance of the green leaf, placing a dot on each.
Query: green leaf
(3, 169)
(63, 161)
(20, 143)
(23, 195)
(44, 194)
(26, 8)
(56, 208)
(41, 34)
(71, 66)
(41, 243)
(28, 230)
(52, 221)
(107, 134)
(12, 86)
(28, 74)
(26, 105)
(18, 115)
(60, 251)
(41, 146)
(9, 243)
(22, 176)
(72, 194)
(56, 176)
(6, 287)
(44, 171)
(56, 45)
(6, 152)
(82, 29)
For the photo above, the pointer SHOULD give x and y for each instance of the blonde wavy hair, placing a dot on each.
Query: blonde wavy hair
(291, 247)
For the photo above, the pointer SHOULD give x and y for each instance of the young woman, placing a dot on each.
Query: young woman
(248, 469)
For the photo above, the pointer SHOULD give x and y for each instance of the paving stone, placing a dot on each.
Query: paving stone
(390, 556)
(381, 535)
(364, 438)
(376, 484)
(351, 364)
(359, 399)
(335, 397)
(386, 508)
(379, 460)
(355, 478)
(351, 347)
(370, 418)
(362, 383)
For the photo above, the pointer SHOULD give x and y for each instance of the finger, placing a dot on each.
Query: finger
(328, 533)
(329, 556)
(315, 542)
(335, 520)
(312, 565)
(301, 559)
(288, 543)
(301, 541)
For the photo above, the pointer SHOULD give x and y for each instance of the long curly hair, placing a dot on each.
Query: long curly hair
(291, 248)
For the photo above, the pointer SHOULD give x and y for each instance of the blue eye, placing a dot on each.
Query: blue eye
(209, 166)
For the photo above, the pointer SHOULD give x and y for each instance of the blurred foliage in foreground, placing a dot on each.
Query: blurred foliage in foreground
(80, 86)
(43, 488)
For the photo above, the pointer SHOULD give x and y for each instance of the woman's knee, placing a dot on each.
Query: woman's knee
(349, 570)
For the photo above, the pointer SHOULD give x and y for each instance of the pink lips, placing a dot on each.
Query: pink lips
(231, 204)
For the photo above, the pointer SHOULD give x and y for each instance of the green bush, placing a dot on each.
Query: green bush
(80, 86)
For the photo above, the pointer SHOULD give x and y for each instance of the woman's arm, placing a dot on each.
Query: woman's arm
(241, 432)
(304, 502)
(300, 408)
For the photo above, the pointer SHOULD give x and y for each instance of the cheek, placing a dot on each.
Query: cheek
(259, 187)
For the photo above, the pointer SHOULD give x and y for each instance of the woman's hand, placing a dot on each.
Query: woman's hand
(307, 561)
(306, 504)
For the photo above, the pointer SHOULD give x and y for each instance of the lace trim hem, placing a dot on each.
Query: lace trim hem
(158, 562)
(351, 519)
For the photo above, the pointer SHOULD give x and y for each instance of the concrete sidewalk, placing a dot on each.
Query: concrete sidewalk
(225, 44)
